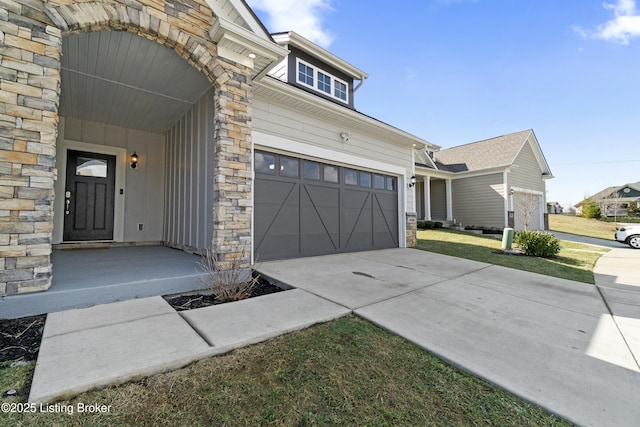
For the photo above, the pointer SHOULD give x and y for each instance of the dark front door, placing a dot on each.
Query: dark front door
(89, 196)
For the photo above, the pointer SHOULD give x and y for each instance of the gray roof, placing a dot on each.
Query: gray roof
(619, 190)
(494, 152)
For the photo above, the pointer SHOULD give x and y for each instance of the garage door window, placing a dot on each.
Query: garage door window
(378, 182)
(350, 177)
(265, 163)
(289, 167)
(311, 170)
(331, 174)
(365, 179)
(391, 183)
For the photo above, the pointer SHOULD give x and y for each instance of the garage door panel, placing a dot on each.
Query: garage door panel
(320, 220)
(317, 214)
(276, 229)
(385, 220)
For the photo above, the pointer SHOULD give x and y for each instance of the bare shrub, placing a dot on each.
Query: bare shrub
(228, 279)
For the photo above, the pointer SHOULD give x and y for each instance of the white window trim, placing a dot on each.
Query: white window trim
(316, 81)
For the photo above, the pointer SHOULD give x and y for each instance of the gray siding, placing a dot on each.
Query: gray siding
(189, 179)
(144, 189)
(527, 174)
(479, 200)
(438, 200)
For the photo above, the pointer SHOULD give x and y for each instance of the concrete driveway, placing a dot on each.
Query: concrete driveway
(553, 342)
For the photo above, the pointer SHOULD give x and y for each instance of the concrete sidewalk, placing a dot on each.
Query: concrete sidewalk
(113, 343)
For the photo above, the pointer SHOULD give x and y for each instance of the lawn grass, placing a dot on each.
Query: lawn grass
(345, 372)
(582, 226)
(574, 262)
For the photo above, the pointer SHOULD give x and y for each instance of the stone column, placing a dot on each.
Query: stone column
(29, 96)
(233, 173)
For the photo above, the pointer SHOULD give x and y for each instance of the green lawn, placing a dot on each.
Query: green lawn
(345, 372)
(574, 262)
(582, 226)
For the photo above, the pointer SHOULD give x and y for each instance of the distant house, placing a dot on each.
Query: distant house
(485, 183)
(614, 201)
(554, 208)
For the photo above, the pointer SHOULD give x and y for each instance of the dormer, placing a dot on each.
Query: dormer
(314, 69)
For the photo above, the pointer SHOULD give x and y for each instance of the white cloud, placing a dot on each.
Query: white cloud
(623, 26)
(302, 16)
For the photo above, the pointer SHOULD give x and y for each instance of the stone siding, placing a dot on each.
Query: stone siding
(412, 229)
(31, 34)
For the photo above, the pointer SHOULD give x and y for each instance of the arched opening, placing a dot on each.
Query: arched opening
(123, 94)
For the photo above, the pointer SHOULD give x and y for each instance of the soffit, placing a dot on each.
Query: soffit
(121, 79)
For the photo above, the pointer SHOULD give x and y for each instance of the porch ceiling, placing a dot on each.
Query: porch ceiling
(122, 79)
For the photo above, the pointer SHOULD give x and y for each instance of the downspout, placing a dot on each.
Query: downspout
(506, 196)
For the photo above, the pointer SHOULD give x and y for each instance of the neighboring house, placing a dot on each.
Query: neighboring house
(554, 208)
(614, 201)
(186, 124)
(497, 182)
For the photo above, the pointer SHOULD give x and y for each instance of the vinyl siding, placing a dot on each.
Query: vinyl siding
(278, 120)
(144, 188)
(189, 179)
(479, 200)
(527, 173)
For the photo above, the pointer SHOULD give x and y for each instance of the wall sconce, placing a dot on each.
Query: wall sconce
(412, 181)
(345, 136)
(134, 160)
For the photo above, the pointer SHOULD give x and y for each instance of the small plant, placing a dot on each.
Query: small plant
(437, 224)
(429, 225)
(421, 224)
(229, 280)
(537, 243)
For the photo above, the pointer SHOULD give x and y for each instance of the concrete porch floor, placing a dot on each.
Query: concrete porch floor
(87, 277)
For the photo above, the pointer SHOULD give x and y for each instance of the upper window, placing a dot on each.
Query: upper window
(340, 90)
(322, 81)
(305, 74)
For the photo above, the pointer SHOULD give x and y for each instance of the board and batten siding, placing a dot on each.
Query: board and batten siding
(479, 200)
(143, 187)
(189, 178)
(438, 199)
(282, 121)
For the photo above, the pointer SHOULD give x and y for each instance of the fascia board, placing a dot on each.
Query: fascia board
(294, 39)
(227, 30)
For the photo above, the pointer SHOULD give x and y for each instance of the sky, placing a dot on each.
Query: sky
(458, 71)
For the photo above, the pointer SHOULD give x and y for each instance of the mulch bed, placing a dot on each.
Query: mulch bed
(20, 338)
(200, 300)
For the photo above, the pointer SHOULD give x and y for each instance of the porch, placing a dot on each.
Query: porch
(87, 277)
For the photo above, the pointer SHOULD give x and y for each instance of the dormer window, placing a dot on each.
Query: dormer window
(321, 81)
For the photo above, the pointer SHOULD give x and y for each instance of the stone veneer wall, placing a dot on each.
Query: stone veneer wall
(31, 34)
(412, 229)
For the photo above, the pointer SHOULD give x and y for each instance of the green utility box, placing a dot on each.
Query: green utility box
(507, 238)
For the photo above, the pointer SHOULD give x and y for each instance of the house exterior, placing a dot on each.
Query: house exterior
(141, 123)
(614, 201)
(186, 124)
(499, 182)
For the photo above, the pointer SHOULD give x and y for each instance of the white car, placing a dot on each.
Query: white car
(630, 235)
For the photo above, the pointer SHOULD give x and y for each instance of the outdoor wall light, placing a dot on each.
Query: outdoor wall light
(134, 160)
(345, 136)
(412, 181)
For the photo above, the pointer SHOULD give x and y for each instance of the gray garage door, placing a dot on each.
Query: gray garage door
(305, 208)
